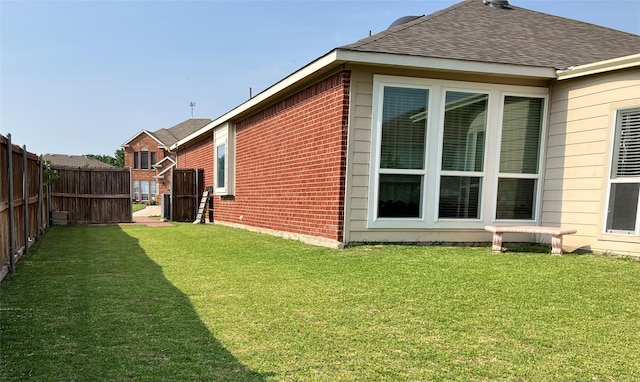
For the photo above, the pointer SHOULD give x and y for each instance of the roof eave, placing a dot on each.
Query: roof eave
(340, 56)
(126, 144)
(435, 63)
(599, 67)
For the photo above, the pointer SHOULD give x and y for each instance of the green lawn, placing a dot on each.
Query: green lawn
(138, 206)
(211, 303)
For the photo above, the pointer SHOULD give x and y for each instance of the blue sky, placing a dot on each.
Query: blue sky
(79, 77)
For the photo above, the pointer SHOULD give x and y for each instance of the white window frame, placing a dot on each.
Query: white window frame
(224, 135)
(432, 172)
(616, 125)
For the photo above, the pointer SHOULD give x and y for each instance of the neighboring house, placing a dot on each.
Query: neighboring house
(75, 161)
(150, 158)
(479, 114)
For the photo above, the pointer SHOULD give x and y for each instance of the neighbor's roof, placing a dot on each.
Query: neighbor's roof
(75, 161)
(169, 136)
(474, 31)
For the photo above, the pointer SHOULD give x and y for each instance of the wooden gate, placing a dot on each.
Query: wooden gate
(93, 195)
(186, 187)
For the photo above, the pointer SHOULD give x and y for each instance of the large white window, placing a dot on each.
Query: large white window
(224, 160)
(623, 216)
(452, 154)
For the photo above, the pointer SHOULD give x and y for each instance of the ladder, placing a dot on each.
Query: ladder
(201, 208)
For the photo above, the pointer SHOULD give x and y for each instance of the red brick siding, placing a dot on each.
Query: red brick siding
(291, 163)
(199, 155)
(144, 140)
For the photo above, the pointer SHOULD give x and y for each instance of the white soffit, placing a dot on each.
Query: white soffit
(490, 68)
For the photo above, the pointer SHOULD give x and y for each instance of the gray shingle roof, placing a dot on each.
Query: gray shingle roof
(473, 31)
(75, 161)
(174, 134)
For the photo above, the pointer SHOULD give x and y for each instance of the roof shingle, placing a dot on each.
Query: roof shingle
(473, 31)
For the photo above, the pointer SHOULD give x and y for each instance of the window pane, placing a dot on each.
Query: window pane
(144, 160)
(465, 123)
(136, 189)
(399, 196)
(220, 155)
(623, 207)
(627, 151)
(152, 189)
(521, 131)
(135, 160)
(153, 158)
(515, 198)
(145, 190)
(459, 197)
(404, 120)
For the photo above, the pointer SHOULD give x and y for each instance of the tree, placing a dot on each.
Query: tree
(117, 161)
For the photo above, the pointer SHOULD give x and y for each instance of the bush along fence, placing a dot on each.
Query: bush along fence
(23, 202)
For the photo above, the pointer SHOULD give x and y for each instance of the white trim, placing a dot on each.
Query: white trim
(599, 67)
(406, 61)
(160, 144)
(338, 56)
(616, 124)
(433, 150)
(224, 135)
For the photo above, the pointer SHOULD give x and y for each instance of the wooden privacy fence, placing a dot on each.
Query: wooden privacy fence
(187, 186)
(93, 195)
(23, 203)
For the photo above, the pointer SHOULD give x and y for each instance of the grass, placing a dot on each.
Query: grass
(138, 206)
(201, 302)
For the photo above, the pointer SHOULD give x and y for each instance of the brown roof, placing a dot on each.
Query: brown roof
(474, 31)
(75, 161)
(182, 130)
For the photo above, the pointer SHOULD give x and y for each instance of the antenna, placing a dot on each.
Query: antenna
(192, 105)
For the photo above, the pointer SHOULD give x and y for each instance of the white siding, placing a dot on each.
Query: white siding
(578, 155)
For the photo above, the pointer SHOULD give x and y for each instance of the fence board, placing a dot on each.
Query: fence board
(21, 211)
(186, 187)
(93, 195)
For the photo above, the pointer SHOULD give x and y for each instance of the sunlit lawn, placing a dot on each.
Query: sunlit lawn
(210, 303)
(138, 206)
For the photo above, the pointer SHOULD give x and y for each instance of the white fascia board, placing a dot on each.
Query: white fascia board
(396, 60)
(126, 144)
(262, 96)
(599, 67)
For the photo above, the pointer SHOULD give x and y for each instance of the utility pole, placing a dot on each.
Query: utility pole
(192, 105)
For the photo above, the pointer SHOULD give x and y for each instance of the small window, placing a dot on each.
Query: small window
(224, 160)
(153, 158)
(145, 190)
(153, 189)
(144, 160)
(221, 152)
(135, 160)
(623, 215)
(136, 190)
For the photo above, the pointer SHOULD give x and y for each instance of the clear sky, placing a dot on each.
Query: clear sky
(83, 77)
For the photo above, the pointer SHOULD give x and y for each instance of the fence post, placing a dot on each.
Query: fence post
(39, 214)
(25, 197)
(195, 193)
(12, 245)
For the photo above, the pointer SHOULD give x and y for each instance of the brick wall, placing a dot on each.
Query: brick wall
(199, 155)
(291, 163)
(144, 140)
